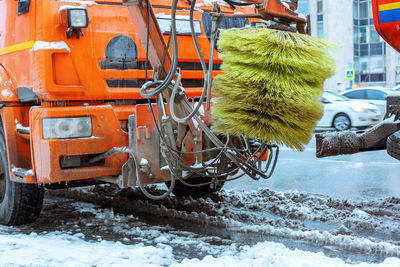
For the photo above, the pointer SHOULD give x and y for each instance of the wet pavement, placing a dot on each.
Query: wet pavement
(360, 176)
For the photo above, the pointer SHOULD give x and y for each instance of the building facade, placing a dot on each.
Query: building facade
(350, 24)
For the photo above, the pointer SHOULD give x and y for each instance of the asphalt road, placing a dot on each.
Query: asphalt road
(360, 176)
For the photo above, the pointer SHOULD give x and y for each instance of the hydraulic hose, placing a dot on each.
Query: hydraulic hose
(237, 3)
(213, 39)
(203, 66)
(145, 91)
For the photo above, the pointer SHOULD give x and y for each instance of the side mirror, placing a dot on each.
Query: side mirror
(23, 6)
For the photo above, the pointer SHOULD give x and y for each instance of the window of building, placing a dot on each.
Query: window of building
(364, 50)
(363, 22)
(370, 13)
(364, 78)
(373, 35)
(320, 30)
(376, 49)
(356, 64)
(356, 50)
(376, 64)
(320, 18)
(363, 35)
(356, 35)
(355, 10)
(363, 11)
(319, 7)
(363, 64)
(379, 77)
(369, 48)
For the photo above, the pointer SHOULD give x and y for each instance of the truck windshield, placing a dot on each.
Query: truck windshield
(226, 23)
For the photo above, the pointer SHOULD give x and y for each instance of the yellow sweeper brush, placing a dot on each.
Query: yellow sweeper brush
(272, 85)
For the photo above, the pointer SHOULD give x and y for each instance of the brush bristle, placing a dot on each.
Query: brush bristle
(272, 85)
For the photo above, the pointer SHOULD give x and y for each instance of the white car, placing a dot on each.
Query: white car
(342, 113)
(372, 95)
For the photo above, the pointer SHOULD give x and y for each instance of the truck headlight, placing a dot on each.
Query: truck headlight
(358, 109)
(57, 128)
(73, 17)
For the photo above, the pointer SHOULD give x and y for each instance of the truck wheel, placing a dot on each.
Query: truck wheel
(19, 203)
(181, 190)
(393, 145)
(341, 122)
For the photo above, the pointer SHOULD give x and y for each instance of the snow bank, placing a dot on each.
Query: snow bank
(274, 254)
(64, 249)
(61, 249)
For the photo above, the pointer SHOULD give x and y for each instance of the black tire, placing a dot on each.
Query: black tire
(19, 203)
(341, 122)
(181, 190)
(393, 145)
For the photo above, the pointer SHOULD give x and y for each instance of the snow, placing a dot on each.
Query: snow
(83, 3)
(274, 254)
(24, 172)
(360, 213)
(41, 45)
(6, 93)
(20, 127)
(144, 161)
(211, 2)
(68, 6)
(301, 15)
(164, 16)
(201, 110)
(326, 238)
(165, 168)
(286, 5)
(65, 249)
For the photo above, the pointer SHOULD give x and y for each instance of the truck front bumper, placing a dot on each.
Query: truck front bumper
(63, 160)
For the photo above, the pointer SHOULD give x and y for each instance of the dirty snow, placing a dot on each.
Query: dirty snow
(83, 3)
(68, 6)
(262, 227)
(275, 254)
(66, 249)
(41, 45)
(21, 171)
(357, 227)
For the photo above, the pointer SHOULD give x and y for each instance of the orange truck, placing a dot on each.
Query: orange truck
(71, 74)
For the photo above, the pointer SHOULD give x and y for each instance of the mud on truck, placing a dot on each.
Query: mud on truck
(94, 92)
